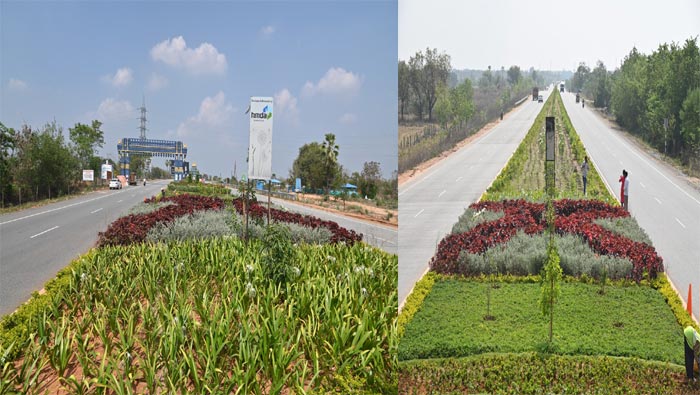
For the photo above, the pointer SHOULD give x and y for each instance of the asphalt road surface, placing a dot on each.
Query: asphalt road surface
(36, 243)
(432, 202)
(662, 201)
(380, 236)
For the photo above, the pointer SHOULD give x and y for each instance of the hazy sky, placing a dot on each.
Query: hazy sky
(551, 34)
(330, 66)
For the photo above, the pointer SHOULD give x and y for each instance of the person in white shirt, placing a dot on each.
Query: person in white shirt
(626, 203)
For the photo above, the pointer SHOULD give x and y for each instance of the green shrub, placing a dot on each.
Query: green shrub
(414, 300)
(525, 255)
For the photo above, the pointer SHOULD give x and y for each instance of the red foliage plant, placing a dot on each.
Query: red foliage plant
(134, 228)
(572, 216)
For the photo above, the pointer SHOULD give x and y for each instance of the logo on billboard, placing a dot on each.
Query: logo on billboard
(265, 114)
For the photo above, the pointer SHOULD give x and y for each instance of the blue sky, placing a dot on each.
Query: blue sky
(330, 66)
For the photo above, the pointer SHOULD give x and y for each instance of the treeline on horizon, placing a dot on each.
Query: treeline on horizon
(654, 96)
(38, 163)
(452, 104)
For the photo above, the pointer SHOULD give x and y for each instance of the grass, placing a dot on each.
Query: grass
(630, 321)
(123, 322)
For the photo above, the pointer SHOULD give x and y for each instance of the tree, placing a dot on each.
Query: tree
(7, 147)
(427, 72)
(370, 178)
(310, 166)
(330, 151)
(598, 86)
(486, 80)
(628, 96)
(690, 125)
(86, 139)
(580, 77)
(443, 107)
(404, 87)
(551, 277)
(514, 75)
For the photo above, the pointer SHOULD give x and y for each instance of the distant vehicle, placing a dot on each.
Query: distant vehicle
(540, 99)
(144, 182)
(578, 97)
(561, 87)
(132, 179)
(115, 184)
(535, 92)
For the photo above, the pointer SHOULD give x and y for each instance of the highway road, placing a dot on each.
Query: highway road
(381, 236)
(432, 202)
(36, 243)
(662, 201)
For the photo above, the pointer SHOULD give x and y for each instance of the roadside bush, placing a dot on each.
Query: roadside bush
(525, 254)
(471, 218)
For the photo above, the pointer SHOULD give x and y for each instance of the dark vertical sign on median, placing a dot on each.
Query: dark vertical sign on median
(549, 165)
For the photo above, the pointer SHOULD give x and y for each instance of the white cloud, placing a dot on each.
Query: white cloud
(286, 105)
(336, 81)
(267, 31)
(122, 77)
(114, 110)
(348, 118)
(213, 116)
(17, 85)
(204, 59)
(157, 82)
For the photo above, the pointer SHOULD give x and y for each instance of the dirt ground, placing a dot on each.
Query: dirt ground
(359, 210)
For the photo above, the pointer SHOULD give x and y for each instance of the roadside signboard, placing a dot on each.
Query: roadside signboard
(106, 168)
(88, 175)
(260, 145)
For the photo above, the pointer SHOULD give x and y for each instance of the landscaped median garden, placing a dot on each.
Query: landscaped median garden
(174, 300)
(475, 322)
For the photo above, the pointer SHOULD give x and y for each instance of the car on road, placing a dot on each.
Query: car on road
(115, 184)
(540, 99)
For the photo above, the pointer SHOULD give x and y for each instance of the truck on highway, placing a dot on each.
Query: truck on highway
(561, 87)
(578, 97)
(535, 93)
(132, 179)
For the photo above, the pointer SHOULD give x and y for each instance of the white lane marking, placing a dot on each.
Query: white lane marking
(657, 200)
(679, 221)
(93, 212)
(47, 230)
(58, 208)
(621, 163)
(442, 193)
(419, 213)
(119, 201)
(643, 186)
(457, 180)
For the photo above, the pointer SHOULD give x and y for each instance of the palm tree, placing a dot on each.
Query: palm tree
(330, 149)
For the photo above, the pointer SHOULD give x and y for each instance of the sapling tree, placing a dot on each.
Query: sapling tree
(551, 277)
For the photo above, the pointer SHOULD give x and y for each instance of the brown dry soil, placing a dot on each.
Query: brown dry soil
(354, 209)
